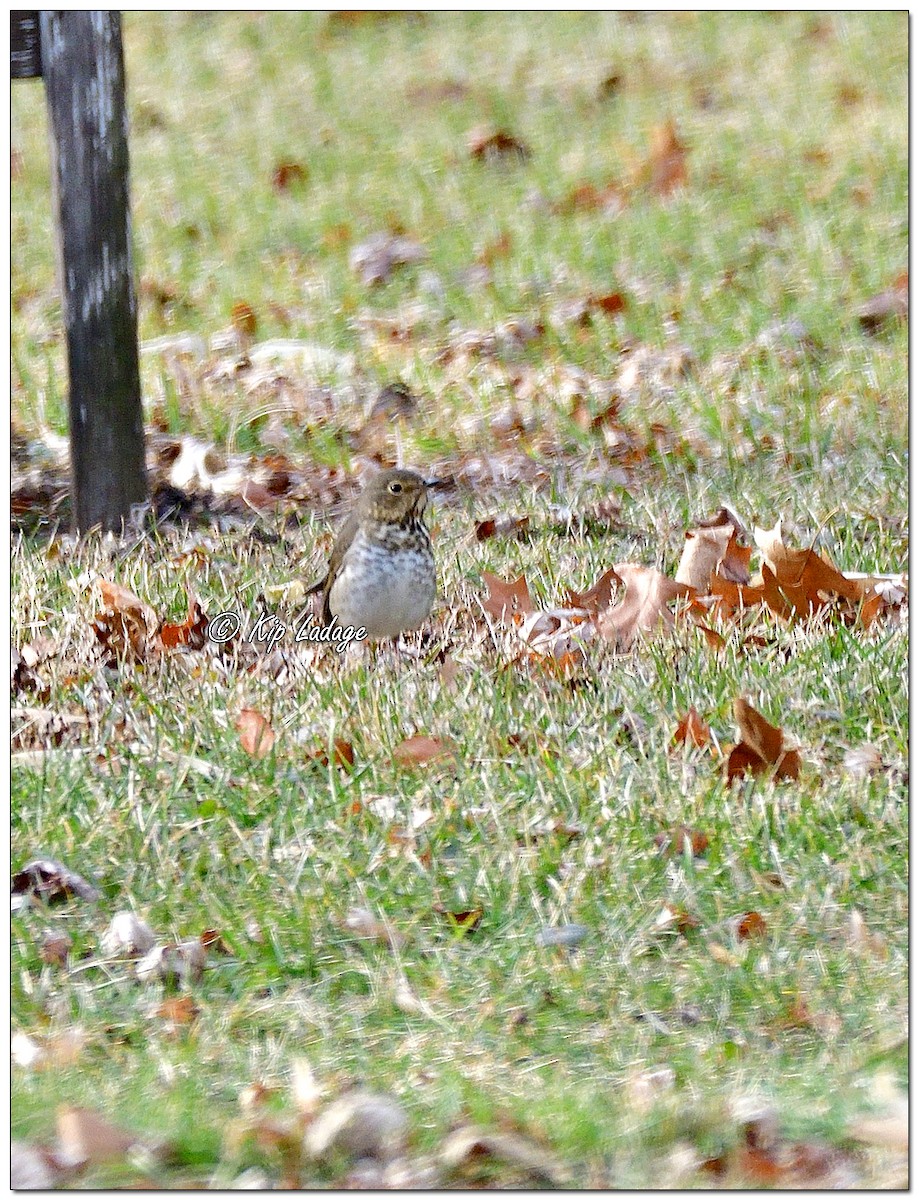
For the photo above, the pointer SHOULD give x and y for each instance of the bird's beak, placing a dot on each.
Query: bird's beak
(437, 483)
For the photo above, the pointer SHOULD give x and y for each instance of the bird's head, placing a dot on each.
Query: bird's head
(394, 496)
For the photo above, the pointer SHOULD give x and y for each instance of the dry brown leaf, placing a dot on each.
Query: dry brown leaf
(178, 1010)
(255, 733)
(192, 632)
(360, 1124)
(125, 624)
(422, 749)
(500, 527)
(750, 925)
(665, 169)
(676, 841)
(732, 597)
(863, 761)
(472, 1142)
(50, 881)
(342, 754)
(806, 579)
(85, 1136)
(692, 729)
(35, 1168)
(722, 955)
(180, 962)
(644, 608)
(599, 596)
(671, 918)
(495, 145)
(760, 748)
(288, 174)
(508, 602)
(891, 305)
(588, 197)
(375, 259)
(703, 552)
(244, 320)
(55, 948)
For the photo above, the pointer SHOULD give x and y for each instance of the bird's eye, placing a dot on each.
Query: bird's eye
(395, 488)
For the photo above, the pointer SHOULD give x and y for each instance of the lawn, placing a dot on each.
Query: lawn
(641, 246)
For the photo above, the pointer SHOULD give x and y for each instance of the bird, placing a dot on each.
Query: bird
(381, 574)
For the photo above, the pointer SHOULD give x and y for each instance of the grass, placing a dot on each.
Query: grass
(795, 208)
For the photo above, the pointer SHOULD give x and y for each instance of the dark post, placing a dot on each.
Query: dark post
(83, 67)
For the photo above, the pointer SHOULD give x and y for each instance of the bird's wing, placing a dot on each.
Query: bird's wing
(339, 550)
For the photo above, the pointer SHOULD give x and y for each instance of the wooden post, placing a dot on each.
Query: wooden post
(83, 67)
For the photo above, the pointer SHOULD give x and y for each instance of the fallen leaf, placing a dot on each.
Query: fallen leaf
(288, 174)
(50, 881)
(863, 761)
(760, 748)
(889, 306)
(360, 1124)
(750, 925)
(644, 608)
(55, 948)
(703, 552)
(722, 955)
(35, 1168)
(125, 624)
(420, 749)
(666, 166)
(692, 729)
(732, 597)
(471, 1143)
(805, 579)
(179, 962)
(599, 596)
(508, 602)
(244, 320)
(465, 920)
(861, 940)
(500, 527)
(127, 934)
(376, 258)
(588, 197)
(85, 1136)
(192, 632)
(255, 733)
(362, 923)
(495, 145)
(672, 917)
(342, 754)
(568, 937)
(677, 840)
(305, 1088)
(178, 1010)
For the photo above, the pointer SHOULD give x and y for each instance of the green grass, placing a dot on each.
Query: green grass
(795, 208)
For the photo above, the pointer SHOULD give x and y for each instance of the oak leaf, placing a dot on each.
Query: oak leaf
(692, 729)
(599, 596)
(508, 602)
(644, 608)
(760, 748)
(805, 579)
(191, 633)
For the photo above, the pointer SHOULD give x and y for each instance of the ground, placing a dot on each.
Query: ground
(639, 250)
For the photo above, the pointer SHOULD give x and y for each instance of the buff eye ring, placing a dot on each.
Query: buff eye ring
(395, 488)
